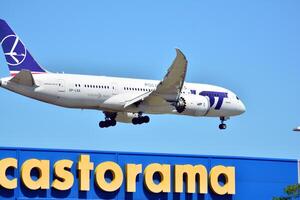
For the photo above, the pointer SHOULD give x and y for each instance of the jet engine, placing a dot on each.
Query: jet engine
(195, 105)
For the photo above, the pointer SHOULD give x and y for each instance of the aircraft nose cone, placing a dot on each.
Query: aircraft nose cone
(242, 107)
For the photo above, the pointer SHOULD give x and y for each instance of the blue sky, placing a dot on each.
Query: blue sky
(250, 47)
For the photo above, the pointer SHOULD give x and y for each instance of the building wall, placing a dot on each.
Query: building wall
(255, 178)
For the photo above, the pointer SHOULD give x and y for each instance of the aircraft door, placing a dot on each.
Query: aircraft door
(61, 86)
(114, 89)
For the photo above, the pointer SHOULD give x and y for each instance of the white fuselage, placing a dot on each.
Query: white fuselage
(110, 93)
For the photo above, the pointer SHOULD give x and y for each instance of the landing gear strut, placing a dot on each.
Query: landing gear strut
(110, 120)
(140, 119)
(223, 126)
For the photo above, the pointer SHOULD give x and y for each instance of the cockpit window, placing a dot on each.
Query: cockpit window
(237, 98)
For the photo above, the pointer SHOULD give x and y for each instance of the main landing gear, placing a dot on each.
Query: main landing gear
(223, 126)
(110, 120)
(140, 119)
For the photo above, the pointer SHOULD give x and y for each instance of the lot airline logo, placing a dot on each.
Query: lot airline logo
(14, 50)
(64, 179)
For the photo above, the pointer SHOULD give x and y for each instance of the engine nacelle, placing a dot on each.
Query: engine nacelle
(195, 105)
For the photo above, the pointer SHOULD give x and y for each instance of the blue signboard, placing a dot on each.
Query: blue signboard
(22, 169)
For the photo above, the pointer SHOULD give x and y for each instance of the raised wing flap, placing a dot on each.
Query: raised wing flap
(24, 77)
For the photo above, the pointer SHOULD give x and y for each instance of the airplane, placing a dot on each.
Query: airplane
(124, 100)
(297, 128)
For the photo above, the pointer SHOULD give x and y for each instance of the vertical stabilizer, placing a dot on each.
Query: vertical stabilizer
(17, 56)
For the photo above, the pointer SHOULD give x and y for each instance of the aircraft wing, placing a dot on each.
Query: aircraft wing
(170, 87)
(168, 90)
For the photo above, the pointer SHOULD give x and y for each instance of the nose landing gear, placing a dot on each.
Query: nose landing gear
(223, 126)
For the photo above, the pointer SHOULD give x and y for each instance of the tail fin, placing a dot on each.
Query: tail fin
(17, 56)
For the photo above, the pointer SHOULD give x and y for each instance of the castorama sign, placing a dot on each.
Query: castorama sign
(45, 174)
(64, 179)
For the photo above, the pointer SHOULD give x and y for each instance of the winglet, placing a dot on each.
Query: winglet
(179, 53)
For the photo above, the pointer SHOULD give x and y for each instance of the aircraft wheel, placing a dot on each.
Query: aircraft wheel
(140, 120)
(113, 122)
(222, 126)
(146, 119)
(135, 121)
(102, 124)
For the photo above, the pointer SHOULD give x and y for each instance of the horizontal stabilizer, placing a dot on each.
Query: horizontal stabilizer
(24, 77)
